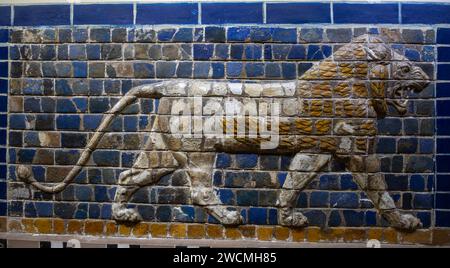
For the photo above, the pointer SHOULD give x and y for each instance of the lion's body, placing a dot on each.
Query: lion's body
(331, 110)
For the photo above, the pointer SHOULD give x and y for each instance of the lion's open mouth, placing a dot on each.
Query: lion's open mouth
(400, 94)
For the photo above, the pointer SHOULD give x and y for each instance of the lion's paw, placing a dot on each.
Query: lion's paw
(225, 216)
(296, 219)
(126, 215)
(409, 223)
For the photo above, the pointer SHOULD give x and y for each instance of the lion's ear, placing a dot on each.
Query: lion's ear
(380, 107)
(377, 52)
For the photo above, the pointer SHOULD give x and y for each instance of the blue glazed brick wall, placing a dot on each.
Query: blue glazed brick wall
(65, 71)
(443, 134)
(5, 20)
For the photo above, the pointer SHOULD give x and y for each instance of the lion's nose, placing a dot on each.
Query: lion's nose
(421, 78)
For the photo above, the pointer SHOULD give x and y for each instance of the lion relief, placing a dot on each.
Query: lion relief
(331, 111)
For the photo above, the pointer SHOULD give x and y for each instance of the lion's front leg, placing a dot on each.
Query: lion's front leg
(303, 170)
(365, 171)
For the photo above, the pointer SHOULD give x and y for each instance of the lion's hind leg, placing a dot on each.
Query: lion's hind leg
(365, 171)
(148, 170)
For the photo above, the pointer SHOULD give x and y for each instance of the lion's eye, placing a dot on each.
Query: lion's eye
(405, 69)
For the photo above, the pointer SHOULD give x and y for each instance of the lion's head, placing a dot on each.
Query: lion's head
(388, 76)
(403, 75)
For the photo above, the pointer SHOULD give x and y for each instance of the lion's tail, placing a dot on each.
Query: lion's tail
(156, 90)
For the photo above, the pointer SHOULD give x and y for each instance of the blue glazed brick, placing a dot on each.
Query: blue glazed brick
(272, 70)
(44, 209)
(443, 145)
(4, 33)
(365, 13)
(316, 217)
(353, 218)
(443, 183)
(269, 162)
(99, 105)
(218, 69)
(371, 218)
(425, 218)
(254, 70)
(3, 53)
(81, 211)
(335, 219)
(347, 182)
(3, 208)
(253, 52)
(201, 69)
(443, 72)
(221, 51)
(183, 35)
(64, 210)
(389, 126)
(284, 35)
(423, 201)
(214, 34)
(443, 36)
(443, 54)
(91, 122)
(3, 69)
(289, 70)
(316, 52)
(442, 218)
(3, 86)
(443, 126)
(417, 183)
(234, 69)
(184, 70)
(443, 107)
(103, 14)
(5, 19)
(257, 216)
(425, 13)
(298, 13)
(172, 13)
(203, 51)
(106, 158)
(80, 69)
(226, 196)
(68, 122)
(94, 211)
(36, 15)
(407, 145)
(319, 199)
(426, 146)
(2, 190)
(412, 54)
(246, 160)
(442, 90)
(26, 155)
(396, 182)
(442, 200)
(344, 200)
(165, 35)
(164, 213)
(329, 182)
(15, 208)
(165, 69)
(222, 13)
(247, 197)
(238, 34)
